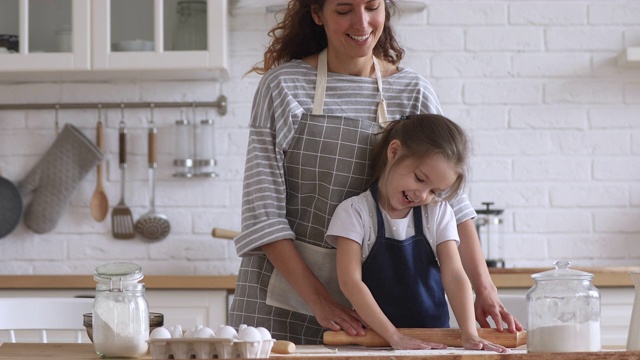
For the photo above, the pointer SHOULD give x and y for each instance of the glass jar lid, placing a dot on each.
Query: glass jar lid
(121, 272)
(562, 272)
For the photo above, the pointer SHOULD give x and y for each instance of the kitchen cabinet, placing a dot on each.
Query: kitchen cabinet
(187, 308)
(36, 23)
(78, 40)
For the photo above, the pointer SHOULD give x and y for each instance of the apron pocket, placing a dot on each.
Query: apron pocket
(322, 262)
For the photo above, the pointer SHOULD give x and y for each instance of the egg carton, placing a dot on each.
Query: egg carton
(209, 348)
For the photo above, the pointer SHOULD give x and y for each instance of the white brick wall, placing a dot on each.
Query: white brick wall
(555, 126)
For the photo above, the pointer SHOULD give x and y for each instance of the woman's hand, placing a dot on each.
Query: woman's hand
(478, 343)
(403, 342)
(329, 313)
(488, 304)
(335, 316)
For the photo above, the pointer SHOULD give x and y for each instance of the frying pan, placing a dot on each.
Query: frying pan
(10, 206)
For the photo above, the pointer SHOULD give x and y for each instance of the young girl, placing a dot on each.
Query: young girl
(387, 238)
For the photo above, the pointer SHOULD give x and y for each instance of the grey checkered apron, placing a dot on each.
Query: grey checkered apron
(327, 162)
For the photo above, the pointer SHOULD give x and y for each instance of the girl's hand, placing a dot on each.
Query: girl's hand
(477, 343)
(403, 342)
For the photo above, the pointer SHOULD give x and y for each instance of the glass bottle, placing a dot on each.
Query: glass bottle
(63, 39)
(564, 311)
(190, 31)
(120, 311)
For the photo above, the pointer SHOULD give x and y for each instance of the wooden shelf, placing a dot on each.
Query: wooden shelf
(630, 57)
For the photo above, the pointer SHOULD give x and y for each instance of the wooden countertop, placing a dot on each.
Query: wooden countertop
(85, 351)
(603, 276)
(503, 278)
(172, 282)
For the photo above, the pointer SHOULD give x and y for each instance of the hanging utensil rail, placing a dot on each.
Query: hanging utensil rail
(220, 104)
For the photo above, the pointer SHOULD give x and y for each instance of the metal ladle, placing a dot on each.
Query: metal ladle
(152, 225)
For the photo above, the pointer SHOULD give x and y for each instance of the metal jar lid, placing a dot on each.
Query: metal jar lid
(562, 272)
(121, 272)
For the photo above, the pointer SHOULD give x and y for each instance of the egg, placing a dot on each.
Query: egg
(249, 333)
(204, 332)
(160, 333)
(264, 333)
(226, 332)
(192, 332)
(176, 331)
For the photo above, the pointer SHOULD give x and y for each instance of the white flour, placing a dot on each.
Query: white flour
(118, 334)
(565, 338)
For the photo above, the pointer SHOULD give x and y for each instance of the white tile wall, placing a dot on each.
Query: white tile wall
(555, 125)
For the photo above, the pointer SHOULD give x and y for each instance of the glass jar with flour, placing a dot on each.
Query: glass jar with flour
(120, 311)
(563, 311)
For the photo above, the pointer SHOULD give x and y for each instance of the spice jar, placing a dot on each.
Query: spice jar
(564, 311)
(204, 161)
(183, 163)
(120, 311)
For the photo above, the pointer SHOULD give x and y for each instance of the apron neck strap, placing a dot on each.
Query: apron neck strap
(321, 85)
(382, 104)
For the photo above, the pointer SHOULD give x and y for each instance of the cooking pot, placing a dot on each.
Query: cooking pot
(9, 42)
(10, 206)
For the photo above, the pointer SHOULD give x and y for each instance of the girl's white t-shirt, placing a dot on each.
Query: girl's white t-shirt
(356, 219)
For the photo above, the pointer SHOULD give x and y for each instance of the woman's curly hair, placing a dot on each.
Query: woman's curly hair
(298, 36)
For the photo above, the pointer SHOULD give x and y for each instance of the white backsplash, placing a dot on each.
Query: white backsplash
(555, 125)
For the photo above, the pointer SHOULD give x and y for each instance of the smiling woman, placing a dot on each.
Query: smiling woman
(331, 76)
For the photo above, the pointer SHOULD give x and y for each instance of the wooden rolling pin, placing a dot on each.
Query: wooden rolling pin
(283, 347)
(449, 337)
(224, 233)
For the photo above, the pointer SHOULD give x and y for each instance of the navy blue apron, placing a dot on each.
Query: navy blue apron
(404, 277)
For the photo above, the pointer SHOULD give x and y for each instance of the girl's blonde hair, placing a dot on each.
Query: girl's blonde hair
(425, 135)
(297, 36)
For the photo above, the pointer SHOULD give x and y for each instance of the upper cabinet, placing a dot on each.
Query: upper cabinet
(79, 40)
(44, 35)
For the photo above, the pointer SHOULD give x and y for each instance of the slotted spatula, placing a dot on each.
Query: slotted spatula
(121, 217)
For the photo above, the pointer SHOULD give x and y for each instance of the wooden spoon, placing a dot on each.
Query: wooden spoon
(99, 202)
